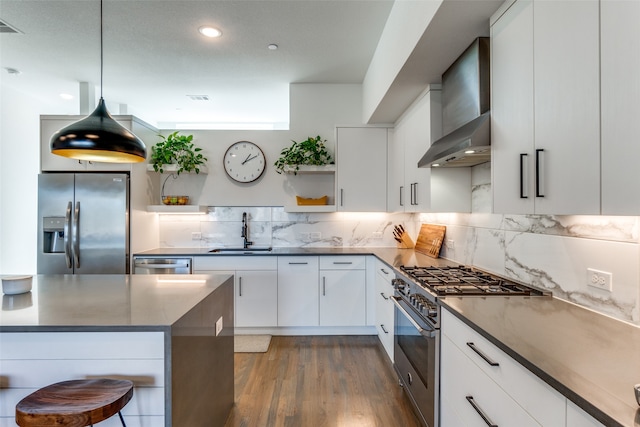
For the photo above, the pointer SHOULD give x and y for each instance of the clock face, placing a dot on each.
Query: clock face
(244, 161)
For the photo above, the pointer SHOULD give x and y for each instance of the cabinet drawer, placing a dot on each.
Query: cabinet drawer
(383, 270)
(545, 404)
(459, 393)
(342, 262)
(243, 262)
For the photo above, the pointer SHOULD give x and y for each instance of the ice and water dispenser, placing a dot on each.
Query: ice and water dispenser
(53, 229)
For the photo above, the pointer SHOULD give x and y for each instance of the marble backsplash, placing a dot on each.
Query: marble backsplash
(551, 252)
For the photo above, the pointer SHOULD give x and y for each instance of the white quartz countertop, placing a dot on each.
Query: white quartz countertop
(106, 302)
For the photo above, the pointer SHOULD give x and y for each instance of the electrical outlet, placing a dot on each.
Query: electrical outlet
(449, 244)
(376, 235)
(600, 279)
(196, 235)
(304, 236)
(219, 326)
(315, 235)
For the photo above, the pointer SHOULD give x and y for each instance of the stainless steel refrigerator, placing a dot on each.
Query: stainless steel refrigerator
(83, 223)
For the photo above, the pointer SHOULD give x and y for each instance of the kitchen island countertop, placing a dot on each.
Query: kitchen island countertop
(107, 302)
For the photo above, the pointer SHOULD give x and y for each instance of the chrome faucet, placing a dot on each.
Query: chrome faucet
(245, 231)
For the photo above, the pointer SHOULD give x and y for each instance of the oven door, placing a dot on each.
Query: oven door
(417, 360)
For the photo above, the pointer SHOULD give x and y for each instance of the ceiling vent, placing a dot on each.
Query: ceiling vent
(8, 29)
(198, 97)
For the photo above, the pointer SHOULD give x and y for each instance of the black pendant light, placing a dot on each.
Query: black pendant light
(98, 137)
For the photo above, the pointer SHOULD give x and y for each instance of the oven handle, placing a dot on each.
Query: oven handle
(424, 332)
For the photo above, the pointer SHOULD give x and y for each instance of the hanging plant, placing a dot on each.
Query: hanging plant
(178, 150)
(311, 151)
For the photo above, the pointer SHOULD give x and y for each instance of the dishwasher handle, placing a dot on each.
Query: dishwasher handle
(162, 266)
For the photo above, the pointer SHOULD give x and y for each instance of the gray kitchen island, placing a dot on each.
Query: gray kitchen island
(172, 335)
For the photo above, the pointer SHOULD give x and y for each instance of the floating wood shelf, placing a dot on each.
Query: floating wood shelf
(310, 169)
(173, 168)
(177, 208)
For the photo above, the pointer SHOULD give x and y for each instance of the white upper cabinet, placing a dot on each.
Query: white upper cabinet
(361, 176)
(546, 108)
(620, 95)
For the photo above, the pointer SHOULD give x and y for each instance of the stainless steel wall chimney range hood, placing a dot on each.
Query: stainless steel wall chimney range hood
(466, 120)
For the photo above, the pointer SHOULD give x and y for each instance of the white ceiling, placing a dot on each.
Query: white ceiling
(154, 56)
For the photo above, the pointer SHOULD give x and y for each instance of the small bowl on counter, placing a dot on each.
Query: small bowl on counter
(15, 285)
(175, 200)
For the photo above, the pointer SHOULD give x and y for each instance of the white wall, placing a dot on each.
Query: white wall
(316, 109)
(405, 26)
(19, 167)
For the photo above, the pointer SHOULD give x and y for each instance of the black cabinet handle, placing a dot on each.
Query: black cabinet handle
(383, 329)
(486, 358)
(523, 176)
(382, 293)
(539, 172)
(401, 193)
(481, 412)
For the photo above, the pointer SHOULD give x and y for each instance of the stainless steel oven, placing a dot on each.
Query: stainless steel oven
(417, 349)
(417, 330)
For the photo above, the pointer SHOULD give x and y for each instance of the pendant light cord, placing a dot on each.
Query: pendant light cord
(101, 51)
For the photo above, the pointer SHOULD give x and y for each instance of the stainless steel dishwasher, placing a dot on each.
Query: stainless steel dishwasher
(161, 265)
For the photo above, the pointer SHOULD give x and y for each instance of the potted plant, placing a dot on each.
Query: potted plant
(311, 151)
(179, 150)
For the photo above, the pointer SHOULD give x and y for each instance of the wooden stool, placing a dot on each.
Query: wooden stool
(75, 403)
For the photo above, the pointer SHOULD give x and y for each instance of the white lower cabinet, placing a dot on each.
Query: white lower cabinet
(342, 291)
(298, 291)
(576, 417)
(499, 387)
(385, 322)
(255, 286)
(256, 298)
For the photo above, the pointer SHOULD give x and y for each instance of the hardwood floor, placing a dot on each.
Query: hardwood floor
(314, 381)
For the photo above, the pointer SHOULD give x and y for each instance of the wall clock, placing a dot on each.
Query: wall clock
(244, 161)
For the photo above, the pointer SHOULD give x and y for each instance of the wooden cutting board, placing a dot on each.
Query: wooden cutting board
(430, 239)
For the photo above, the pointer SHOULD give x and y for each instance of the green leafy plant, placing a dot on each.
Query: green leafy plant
(311, 151)
(179, 150)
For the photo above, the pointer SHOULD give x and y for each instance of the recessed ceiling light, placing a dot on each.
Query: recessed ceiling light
(66, 96)
(469, 152)
(272, 46)
(435, 165)
(210, 31)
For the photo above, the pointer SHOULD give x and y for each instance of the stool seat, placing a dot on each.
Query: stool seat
(75, 403)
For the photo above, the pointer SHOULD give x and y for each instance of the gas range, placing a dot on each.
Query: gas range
(465, 281)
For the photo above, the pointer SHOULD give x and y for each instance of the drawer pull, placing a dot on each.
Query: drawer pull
(382, 293)
(239, 286)
(486, 358)
(342, 262)
(383, 329)
(298, 263)
(481, 412)
(384, 271)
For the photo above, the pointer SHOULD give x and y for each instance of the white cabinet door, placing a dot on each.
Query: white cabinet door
(423, 125)
(576, 417)
(567, 106)
(395, 170)
(539, 400)
(384, 307)
(546, 109)
(342, 298)
(298, 291)
(620, 92)
(361, 176)
(512, 110)
(467, 394)
(256, 298)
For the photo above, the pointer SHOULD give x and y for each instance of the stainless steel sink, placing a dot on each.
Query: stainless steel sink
(240, 251)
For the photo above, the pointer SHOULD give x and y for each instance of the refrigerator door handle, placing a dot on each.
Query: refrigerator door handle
(76, 237)
(67, 241)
